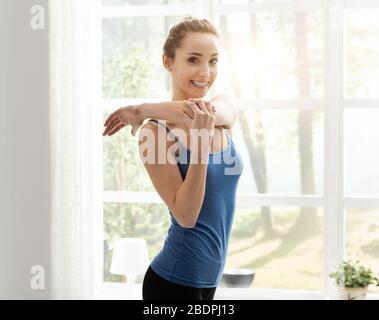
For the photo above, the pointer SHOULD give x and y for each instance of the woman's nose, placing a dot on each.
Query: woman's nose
(205, 71)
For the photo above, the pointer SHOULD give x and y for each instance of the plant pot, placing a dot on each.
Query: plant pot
(352, 293)
(237, 277)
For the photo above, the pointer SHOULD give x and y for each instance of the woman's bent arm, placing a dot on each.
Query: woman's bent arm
(192, 191)
(184, 198)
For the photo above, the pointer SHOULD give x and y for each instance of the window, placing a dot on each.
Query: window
(305, 75)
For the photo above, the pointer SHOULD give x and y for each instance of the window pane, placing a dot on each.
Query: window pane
(361, 152)
(142, 2)
(284, 245)
(362, 239)
(132, 57)
(362, 52)
(147, 221)
(280, 149)
(123, 169)
(274, 55)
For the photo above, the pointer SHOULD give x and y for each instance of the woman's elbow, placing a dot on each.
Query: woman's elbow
(186, 221)
(189, 225)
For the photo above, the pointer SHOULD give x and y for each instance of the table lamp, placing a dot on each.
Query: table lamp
(130, 258)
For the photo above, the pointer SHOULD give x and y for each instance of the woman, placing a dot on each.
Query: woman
(195, 183)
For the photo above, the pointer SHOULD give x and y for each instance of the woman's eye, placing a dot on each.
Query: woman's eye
(194, 60)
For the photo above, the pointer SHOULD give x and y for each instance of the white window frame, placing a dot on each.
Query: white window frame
(333, 201)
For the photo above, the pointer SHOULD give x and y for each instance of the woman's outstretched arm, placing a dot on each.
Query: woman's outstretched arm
(134, 115)
(171, 111)
(165, 111)
(224, 107)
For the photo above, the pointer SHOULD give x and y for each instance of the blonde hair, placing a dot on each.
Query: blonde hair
(179, 30)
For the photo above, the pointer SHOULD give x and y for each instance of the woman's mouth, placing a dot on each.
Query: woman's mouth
(199, 84)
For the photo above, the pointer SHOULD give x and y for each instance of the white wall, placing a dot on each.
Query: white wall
(24, 151)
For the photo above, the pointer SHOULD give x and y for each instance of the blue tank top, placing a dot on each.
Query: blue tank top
(196, 256)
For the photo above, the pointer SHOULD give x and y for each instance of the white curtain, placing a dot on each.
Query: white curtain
(75, 129)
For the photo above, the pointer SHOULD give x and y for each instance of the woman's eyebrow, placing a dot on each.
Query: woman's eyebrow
(200, 55)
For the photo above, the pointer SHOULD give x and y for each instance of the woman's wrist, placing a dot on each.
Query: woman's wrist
(198, 157)
(200, 150)
(143, 111)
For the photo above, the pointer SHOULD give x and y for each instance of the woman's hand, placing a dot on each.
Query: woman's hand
(197, 114)
(203, 118)
(122, 117)
(199, 102)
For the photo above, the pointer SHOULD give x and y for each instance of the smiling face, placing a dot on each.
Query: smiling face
(194, 68)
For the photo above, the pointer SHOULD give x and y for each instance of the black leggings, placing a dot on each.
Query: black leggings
(155, 287)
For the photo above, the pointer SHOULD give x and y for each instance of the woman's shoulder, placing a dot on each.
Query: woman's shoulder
(156, 129)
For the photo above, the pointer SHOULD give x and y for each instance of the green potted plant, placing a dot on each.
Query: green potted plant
(352, 280)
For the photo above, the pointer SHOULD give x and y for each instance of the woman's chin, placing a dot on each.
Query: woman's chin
(198, 95)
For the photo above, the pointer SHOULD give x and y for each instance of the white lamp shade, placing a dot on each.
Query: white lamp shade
(130, 257)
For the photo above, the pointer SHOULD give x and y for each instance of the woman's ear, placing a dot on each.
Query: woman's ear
(166, 62)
